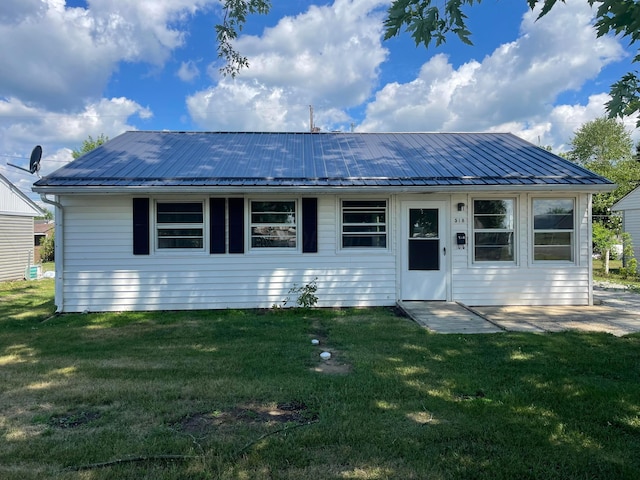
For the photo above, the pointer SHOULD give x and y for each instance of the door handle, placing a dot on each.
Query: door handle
(444, 249)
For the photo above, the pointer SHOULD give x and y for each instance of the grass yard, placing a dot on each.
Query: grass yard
(244, 395)
(614, 275)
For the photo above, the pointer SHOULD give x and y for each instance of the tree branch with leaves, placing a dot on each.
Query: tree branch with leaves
(235, 17)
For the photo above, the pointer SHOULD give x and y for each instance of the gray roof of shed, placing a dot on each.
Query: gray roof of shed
(181, 160)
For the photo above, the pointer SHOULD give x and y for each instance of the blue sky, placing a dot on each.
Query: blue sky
(78, 68)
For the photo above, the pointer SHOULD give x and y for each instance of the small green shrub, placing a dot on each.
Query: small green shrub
(47, 248)
(306, 295)
(630, 268)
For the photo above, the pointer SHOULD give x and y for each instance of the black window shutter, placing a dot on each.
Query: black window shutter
(216, 225)
(141, 226)
(236, 225)
(309, 225)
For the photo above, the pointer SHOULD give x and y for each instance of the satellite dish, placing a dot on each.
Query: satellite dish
(36, 156)
(34, 162)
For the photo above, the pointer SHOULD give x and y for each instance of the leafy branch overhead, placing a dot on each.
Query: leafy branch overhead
(431, 22)
(235, 17)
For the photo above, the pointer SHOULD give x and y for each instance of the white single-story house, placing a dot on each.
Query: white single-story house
(194, 220)
(629, 205)
(16, 231)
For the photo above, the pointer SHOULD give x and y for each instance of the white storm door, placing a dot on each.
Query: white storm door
(424, 251)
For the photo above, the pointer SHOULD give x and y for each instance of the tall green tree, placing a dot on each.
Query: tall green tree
(603, 141)
(604, 146)
(432, 21)
(89, 144)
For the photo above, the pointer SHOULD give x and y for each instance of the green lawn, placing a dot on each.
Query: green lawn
(614, 274)
(244, 395)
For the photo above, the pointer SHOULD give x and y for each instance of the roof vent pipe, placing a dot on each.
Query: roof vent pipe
(312, 127)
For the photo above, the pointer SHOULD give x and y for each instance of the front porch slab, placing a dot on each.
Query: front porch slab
(447, 317)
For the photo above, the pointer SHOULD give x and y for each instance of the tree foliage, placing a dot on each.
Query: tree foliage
(604, 146)
(601, 141)
(47, 248)
(603, 240)
(630, 267)
(431, 21)
(235, 17)
(48, 215)
(89, 144)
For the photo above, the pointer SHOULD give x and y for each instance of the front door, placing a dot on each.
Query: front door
(424, 267)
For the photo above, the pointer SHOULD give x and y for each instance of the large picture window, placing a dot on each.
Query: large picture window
(364, 224)
(553, 229)
(180, 225)
(493, 230)
(273, 224)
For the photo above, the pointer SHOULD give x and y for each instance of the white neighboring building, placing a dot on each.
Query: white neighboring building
(201, 220)
(16, 231)
(629, 205)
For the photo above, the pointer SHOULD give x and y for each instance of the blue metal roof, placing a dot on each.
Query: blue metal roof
(158, 160)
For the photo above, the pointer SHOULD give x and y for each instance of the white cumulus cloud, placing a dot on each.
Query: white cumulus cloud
(59, 56)
(516, 85)
(328, 56)
(23, 126)
(188, 71)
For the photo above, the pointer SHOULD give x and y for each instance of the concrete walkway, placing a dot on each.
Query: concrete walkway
(447, 317)
(617, 312)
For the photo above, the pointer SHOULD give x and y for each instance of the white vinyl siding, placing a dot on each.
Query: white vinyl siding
(16, 246)
(102, 274)
(16, 231)
(527, 282)
(14, 202)
(629, 206)
(631, 225)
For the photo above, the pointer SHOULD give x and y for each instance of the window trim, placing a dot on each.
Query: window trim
(297, 225)
(340, 227)
(204, 226)
(574, 231)
(513, 231)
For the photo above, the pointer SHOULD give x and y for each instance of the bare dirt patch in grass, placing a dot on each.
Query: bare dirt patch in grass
(334, 365)
(296, 412)
(73, 419)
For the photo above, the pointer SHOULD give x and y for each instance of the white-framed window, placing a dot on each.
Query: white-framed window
(179, 225)
(364, 223)
(273, 224)
(494, 230)
(553, 229)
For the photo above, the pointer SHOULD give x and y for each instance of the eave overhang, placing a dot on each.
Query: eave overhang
(257, 187)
